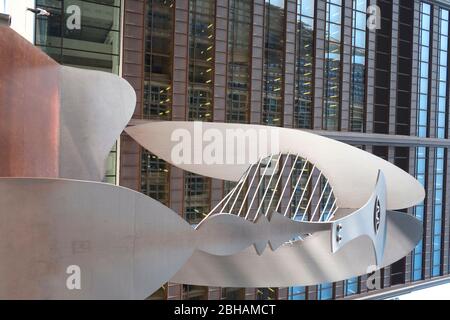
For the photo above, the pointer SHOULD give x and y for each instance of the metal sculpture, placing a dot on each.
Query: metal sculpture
(127, 245)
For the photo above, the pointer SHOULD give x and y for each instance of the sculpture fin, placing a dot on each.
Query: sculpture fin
(260, 247)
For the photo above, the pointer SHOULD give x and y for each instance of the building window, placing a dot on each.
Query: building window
(311, 193)
(196, 197)
(441, 119)
(358, 66)
(297, 293)
(233, 294)
(201, 59)
(419, 212)
(422, 121)
(333, 61)
(441, 128)
(239, 40)
(239, 204)
(155, 177)
(383, 69)
(404, 68)
(200, 101)
(269, 193)
(304, 64)
(424, 66)
(191, 292)
(157, 91)
(351, 287)
(158, 59)
(95, 45)
(438, 204)
(325, 291)
(274, 23)
(266, 294)
(156, 101)
(302, 172)
(111, 166)
(328, 200)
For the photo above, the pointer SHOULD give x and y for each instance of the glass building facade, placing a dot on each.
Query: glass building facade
(333, 64)
(422, 120)
(419, 211)
(304, 64)
(274, 22)
(358, 66)
(424, 69)
(325, 291)
(440, 153)
(201, 59)
(158, 60)
(94, 45)
(351, 287)
(157, 86)
(200, 104)
(239, 40)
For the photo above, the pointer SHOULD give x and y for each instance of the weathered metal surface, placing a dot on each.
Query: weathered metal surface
(29, 109)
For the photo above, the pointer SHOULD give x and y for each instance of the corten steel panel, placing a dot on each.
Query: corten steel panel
(29, 109)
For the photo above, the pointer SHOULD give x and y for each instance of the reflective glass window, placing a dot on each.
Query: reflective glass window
(304, 71)
(358, 66)
(274, 24)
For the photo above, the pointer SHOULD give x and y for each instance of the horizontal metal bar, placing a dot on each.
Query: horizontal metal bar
(382, 139)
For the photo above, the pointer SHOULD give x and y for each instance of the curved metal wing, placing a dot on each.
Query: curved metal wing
(95, 108)
(351, 171)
